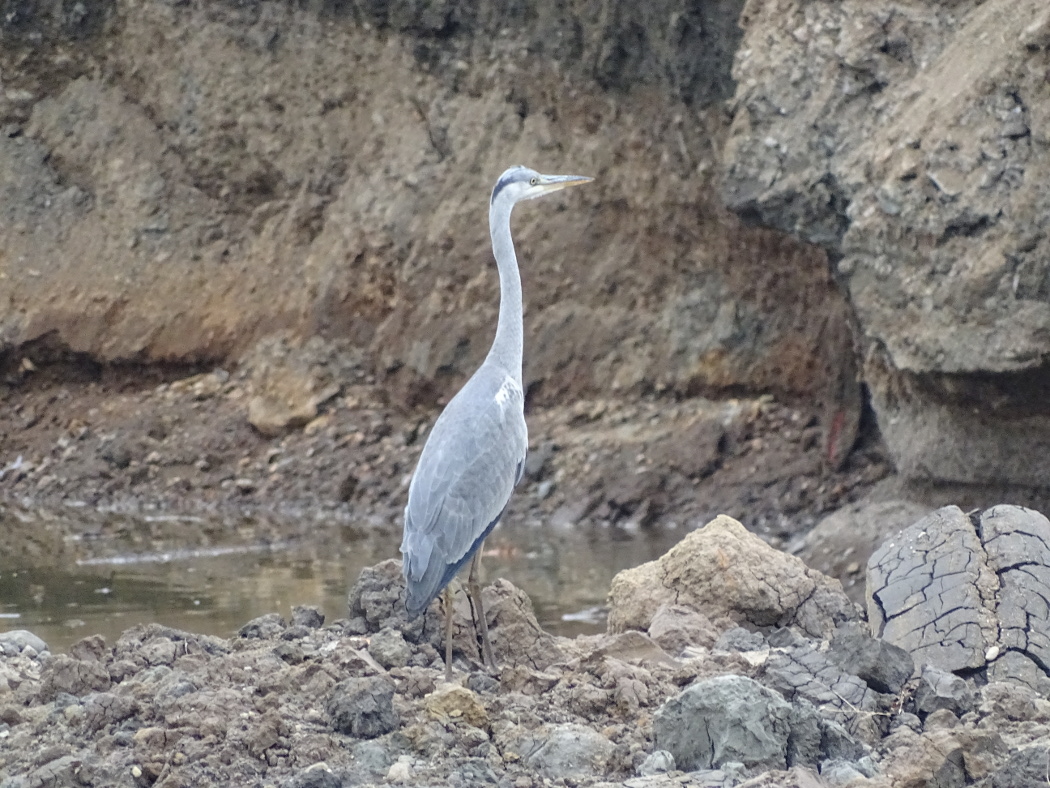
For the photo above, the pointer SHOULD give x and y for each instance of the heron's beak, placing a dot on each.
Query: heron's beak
(553, 183)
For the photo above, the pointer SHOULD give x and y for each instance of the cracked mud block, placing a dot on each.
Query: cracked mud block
(801, 672)
(966, 593)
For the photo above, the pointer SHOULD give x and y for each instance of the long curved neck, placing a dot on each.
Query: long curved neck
(507, 348)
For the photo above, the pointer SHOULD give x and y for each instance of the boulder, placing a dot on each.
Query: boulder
(968, 593)
(572, 751)
(363, 707)
(725, 719)
(723, 570)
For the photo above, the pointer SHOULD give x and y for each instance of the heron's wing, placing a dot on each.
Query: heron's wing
(465, 477)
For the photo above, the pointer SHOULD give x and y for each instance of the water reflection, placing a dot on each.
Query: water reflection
(66, 575)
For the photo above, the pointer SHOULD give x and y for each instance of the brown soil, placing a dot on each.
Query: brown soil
(172, 440)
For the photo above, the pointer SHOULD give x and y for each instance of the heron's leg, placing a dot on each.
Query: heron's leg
(475, 594)
(448, 635)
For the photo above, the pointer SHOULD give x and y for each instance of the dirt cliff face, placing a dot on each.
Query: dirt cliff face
(182, 180)
(910, 140)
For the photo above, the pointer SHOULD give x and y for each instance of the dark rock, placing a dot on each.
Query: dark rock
(314, 777)
(804, 738)
(937, 689)
(724, 719)
(295, 632)
(270, 625)
(883, 666)
(309, 616)
(363, 707)
(481, 682)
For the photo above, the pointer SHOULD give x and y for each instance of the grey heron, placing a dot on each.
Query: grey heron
(475, 453)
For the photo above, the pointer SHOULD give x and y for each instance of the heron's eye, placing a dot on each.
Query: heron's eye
(533, 181)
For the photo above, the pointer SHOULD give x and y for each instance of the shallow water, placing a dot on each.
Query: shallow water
(68, 574)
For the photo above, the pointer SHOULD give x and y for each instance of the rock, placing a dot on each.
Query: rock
(938, 689)
(982, 581)
(948, 758)
(74, 676)
(363, 707)
(883, 666)
(572, 751)
(840, 545)
(389, 649)
(451, 702)
(838, 772)
(802, 671)
(273, 417)
(739, 639)
(17, 640)
(1025, 767)
(378, 597)
(728, 718)
(722, 570)
(516, 636)
(675, 627)
(317, 776)
(265, 626)
(309, 616)
(658, 762)
(1009, 701)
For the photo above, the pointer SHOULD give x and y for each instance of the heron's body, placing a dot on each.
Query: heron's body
(468, 469)
(475, 453)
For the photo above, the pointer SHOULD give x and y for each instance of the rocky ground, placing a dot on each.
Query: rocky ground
(726, 663)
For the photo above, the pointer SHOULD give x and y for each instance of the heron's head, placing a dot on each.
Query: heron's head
(521, 183)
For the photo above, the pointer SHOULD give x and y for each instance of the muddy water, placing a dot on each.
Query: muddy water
(71, 573)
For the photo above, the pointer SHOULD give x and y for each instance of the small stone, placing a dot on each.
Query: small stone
(265, 626)
(938, 689)
(309, 616)
(389, 649)
(400, 771)
(455, 702)
(739, 639)
(363, 707)
(658, 762)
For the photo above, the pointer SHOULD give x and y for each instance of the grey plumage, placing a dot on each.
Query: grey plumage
(475, 452)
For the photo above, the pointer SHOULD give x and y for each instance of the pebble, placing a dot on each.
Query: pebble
(400, 771)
